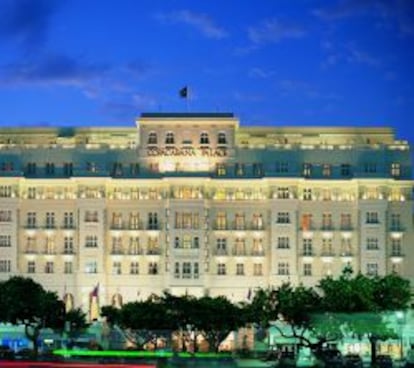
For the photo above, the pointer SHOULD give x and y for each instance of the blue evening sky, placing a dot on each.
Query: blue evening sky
(281, 62)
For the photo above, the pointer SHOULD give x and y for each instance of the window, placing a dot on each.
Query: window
(221, 269)
(396, 247)
(68, 267)
(186, 270)
(169, 138)
(345, 170)
(239, 269)
(240, 221)
(68, 169)
(221, 221)
(31, 267)
(204, 138)
(327, 221)
(134, 268)
(372, 243)
(116, 245)
(50, 168)
(370, 167)
(5, 191)
(196, 242)
(307, 170)
(68, 245)
(49, 267)
(221, 246)
(134, 221)
(31, 168)
(257, 169)
(5, 240)
(91, 267)
(7, 166)
(327, 247)
(91, 241)
(221, 169)
(31, 193)
(282, 167)
(5, 216)
(306, 222)
(91, 167)
(372, 269)
(346, 246)
(395, 224)
(257, 269)
(307, 247)
(116, 268)
(372, 218)
(307, 269)
(395, 170)
(307, 194)
(283, 218)
(283, 242)
(91, 216)
(239, 247)
(346, 222)
(239, 169)
(283, 268)
(326, 170)
(152, 138)
(117, 169)
(177, 270)
(152, 221)
(257, 249)
(283, 193)
(153, 268)
(68, 220)
(134, 247)
(134, 169)
(50, 220)
(257, 222)
(5, 265)
(221, 138)
(196, 272)
(31, 244)
(50, 245)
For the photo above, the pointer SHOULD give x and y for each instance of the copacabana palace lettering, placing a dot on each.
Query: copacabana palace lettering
(187, 151)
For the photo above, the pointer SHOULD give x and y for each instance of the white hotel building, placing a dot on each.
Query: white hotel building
(194, 203)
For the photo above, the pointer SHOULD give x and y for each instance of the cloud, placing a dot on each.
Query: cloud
(273, 31)
(127, 108)
(26, 22)
(358, 56)
(260, 73)
(352, 54)
(201, 22)
(51, 69)
(299, 88)
(399, 13)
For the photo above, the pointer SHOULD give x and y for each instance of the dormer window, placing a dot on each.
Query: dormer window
(152, 138)
(221, 138)
(169, 138)
(204, 138)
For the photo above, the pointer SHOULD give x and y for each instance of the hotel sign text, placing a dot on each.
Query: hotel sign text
(187, 151)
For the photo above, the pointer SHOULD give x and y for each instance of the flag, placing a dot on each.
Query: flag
(95, 291)
(184, 92)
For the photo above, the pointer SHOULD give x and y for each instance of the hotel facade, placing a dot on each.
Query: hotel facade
(194, 203)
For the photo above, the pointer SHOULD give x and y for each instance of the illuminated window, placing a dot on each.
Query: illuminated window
(395, 169)
(327, 249)
(306, 222)
(307, 170)
(221, 138)
(49, 267)
(240, 221)
(221, 221)
(152, 138)
(257, 249)
(239, 269)
(91, 267)
(239, 169)
(221, 169)
(326, 170)
(204, 138)
(169, 138)
(239, 247)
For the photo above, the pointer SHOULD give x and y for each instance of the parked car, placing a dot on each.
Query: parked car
(353, 361)
(332, 358)
(384, 361)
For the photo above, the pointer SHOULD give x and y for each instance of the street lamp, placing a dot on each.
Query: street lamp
(401, 322)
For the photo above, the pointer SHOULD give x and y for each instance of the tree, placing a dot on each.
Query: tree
(75, 320)
(23, 301)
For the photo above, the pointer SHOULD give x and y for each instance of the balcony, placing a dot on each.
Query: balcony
(327, 227)
(221, 252)
(68, 252)
(154, 251)
(117, 251)
(239, 252)
(30, 251)
(258, 253)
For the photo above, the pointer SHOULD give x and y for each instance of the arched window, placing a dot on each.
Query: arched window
(152, 138)
(117, 300)
(221, 138)
(169, 138)
(204, 138)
